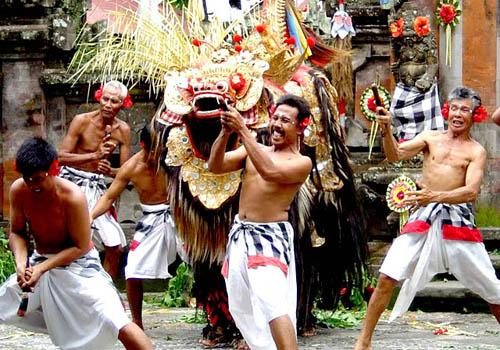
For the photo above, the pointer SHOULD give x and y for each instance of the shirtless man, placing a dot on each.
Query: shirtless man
(70, 295)
(441, 235)
(154, 245)
(260, 250)
(85, 150)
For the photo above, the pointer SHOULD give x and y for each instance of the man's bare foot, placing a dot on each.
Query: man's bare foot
(308, 332)
(241, 344)
(212, 343)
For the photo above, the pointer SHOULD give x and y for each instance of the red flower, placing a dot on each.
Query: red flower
(237, 38)
(480, 114)
(396, 28)
(304, 123)
(311, 42)
(372, 106)
(237, 81)
(260, 28)
(445, 110)
(127, 102)
(447, 13)
(54, 169)
(98, 93)
(196, 42)
(290, 41)
(238, 48)
(421, 26)
(440, 331)
(369, 289)
(343, 291)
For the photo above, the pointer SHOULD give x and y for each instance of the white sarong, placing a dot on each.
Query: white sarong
(155, 244)
(440, 238)
(260, 278)
(105, 229)
(77, 305)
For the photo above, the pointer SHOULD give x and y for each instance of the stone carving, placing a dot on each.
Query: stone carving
(413, 48)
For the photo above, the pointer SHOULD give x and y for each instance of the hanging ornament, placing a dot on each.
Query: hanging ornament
(369, 106)
(342, 23)
(448, 14)
(397, 191)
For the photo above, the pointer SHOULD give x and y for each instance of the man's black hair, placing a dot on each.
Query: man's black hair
(296, 102)
(145, 137)
(35, 154)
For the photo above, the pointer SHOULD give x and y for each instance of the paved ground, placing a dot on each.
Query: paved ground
(414, 331)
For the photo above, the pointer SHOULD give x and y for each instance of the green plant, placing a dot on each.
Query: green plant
(487, 216)
(7, 264)
(199, 317)
(179, 288)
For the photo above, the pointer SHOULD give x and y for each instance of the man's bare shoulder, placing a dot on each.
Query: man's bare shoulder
(122, 125)
(131, 166)
(17, 187)
(477, 149)
(85, 118)
(70, 192)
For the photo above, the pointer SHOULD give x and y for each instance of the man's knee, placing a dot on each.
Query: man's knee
(386, 282)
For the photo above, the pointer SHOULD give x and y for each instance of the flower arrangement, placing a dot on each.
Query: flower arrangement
(448, 14)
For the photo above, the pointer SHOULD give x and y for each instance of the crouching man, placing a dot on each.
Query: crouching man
(70, 296)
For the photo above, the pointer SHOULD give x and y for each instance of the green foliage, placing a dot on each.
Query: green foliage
(7, 264)
(487, 217)
(179, 288)
(179, 3)
(199, 317)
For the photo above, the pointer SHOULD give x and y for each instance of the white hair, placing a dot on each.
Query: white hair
(117, 85)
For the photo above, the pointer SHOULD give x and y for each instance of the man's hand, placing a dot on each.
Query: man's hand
(384, 117)
(104, 167)
(33, 274)
(422, 197)
(21, 276)
(232, 120)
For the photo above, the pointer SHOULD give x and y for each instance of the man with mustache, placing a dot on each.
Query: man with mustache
(85, 152)
(69, 295)
(441, 235)
(259, 266)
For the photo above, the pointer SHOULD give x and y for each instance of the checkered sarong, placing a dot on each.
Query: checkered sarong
(266, 243)
(457, 221)
(414, 111)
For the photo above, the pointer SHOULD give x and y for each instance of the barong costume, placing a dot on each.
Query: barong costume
(105, 229)
(260, 278)
(77, 304)
(415, 111)
(440, 238)
(155, 244)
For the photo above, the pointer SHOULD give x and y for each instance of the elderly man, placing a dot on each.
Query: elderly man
(440, 235)
(70, 296)
(85, 152)
(260, 249)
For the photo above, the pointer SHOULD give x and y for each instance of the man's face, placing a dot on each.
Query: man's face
(460, 115)
(111, 103)
(38, 182)
(283, 126)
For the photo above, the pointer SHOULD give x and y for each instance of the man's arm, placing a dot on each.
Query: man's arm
(221, 161)
(18, 240)
(68, 145)
(464, 194)
(393, 150)
(117, 186)
(78, 222)
(496, 116)
(104, 165)
(286, 172)
(282, 172)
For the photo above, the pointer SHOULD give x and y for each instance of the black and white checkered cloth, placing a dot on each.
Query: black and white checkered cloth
(270, 240)
(414, 111)
(457, 221)
(84, 178)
